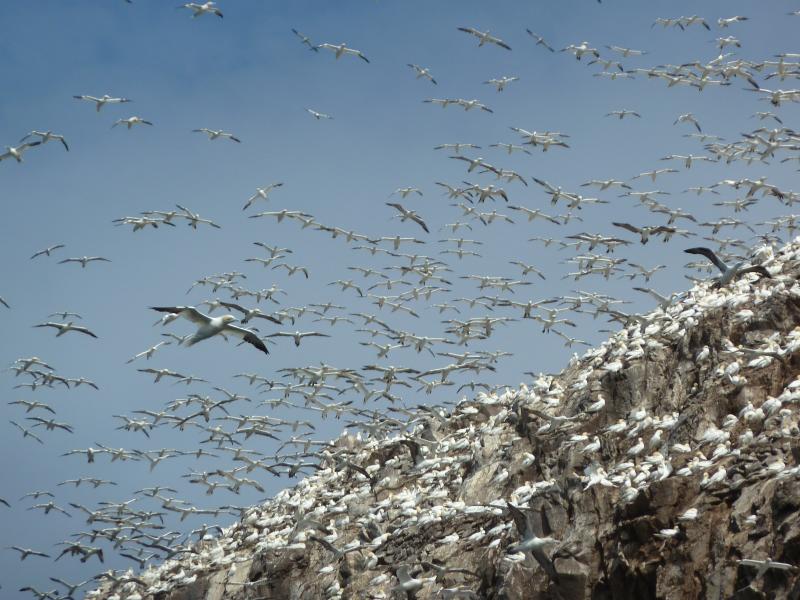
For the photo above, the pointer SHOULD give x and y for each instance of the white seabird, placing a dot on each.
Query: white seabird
(209, 327)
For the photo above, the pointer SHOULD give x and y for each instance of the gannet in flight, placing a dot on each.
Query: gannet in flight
(66, 327)
(530, 540)
(47, 136)
(341, 49)
(304, 39)
(47, 250)
(83, 260)
(647, 231)
(215, 134)
(15, 152)
(102, 101)
(208, 8)
(423, 72)
(318, 115)
(408, 214)
(484, 37)
(623, 113)
(298, 335)
(209, 327)
(721, 22)
(262, 193)
(130, 122)
(501, 82)
(688, 118)
(728, 273)
(3, 302)
(540, 40)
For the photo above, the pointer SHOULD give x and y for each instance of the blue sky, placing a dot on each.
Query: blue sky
(248, 74)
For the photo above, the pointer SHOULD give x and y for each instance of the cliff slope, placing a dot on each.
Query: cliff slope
(662, 464)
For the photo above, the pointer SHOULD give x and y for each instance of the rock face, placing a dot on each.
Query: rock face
(656, 462)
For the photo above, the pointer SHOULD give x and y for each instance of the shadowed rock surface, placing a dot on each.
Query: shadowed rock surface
(707, 392)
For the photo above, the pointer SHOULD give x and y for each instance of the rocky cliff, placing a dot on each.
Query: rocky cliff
(662, 464)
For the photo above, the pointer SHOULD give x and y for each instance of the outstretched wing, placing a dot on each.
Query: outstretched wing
(188, 312)
(627, 226)
(248, 336)
(761, 270)
(709, 254)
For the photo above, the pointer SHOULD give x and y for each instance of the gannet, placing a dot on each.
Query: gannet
(102, 101)
(423, 72)
(15, 152)
(728, 273)
(209, 327)
(484, 37)
(47, 136)
(540, 40)
(130, 122)
(530, 540)
(406, 214)
(202, 9)
(304, 39)
(66, 327)
(342, 49)
(47, 250)
(262, 193)
(214, 134)
(83, 260)
(298, 335)
(318, 115)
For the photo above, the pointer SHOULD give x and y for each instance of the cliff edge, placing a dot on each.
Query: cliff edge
(662, 464)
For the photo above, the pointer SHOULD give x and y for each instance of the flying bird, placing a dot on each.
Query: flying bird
(102, 100)
(304, 39)
(318, 115)
(728, 273)
(484, 37)
(340, 50)
(16, 152)
(47, 136)
(47, 251)
(209, 327)
(207, 8)
(66, 327)
(298, 335)
(214, 134)
(646, 232)
(423, 72)
(409, 214)
(540, 40)
(130, 122)
(84, 260)
(530, 540)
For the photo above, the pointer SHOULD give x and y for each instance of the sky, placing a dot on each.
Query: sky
(249, 75)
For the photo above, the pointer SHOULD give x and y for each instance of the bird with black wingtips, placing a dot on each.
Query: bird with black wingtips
(409, 214)
(531, 542)
(209, 327)
(728, 273)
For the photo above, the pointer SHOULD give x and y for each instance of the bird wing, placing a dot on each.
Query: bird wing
(520, 520)
(627, 226)
(760, 269)
(248, 336)
(709, 254)
(188, 312)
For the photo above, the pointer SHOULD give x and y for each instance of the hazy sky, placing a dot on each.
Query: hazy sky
(249, 75)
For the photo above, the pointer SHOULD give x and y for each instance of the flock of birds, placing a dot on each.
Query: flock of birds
(381, 400)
